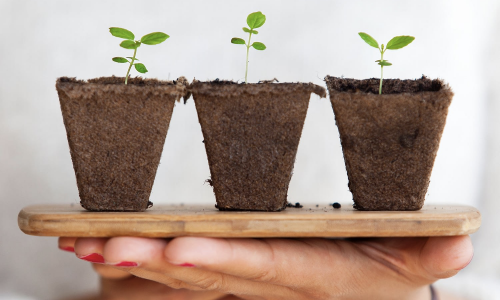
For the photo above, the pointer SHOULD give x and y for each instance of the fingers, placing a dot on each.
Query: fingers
(286, 264)
(67, 244)
(429, 259)
(139, 289)
(270, 260)
(109, 272)
(444, 257)
(91, 249)
(148, 255)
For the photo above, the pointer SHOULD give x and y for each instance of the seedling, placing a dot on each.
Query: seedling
(254, 20)
(129, 43)
(397, 42)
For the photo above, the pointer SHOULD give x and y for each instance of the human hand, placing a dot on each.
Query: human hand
(117, 284)
(385, 268)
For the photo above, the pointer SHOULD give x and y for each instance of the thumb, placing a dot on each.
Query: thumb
(443, 257)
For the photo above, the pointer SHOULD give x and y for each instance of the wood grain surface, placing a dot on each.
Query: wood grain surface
(205, 220)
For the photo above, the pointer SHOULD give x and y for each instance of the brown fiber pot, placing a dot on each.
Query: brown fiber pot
(389, 141)
(116, 134)
(252, 133)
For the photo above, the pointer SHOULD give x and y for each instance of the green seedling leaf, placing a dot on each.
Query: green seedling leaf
(250, 31)
(121, 33)
(120, 60)
(383, 63)
(141, 68)
(154, 38)
(128, 44)
(399, 42)
(256, 20)
(368, 39)
(238, 41)
(259, 46)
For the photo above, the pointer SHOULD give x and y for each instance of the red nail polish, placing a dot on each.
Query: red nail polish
(93, 258)
(126, 264)
(188, 265)
(69, 249)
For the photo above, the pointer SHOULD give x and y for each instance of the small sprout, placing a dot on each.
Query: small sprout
(129, 43)
(397, 42)
(254, 20)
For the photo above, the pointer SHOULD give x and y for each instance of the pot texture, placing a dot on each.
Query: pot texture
(389, 141)
(116, 134)
(252, 132)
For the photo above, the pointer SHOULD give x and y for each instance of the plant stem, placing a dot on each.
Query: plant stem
(130, 67)
(248, 48)
(381, 73)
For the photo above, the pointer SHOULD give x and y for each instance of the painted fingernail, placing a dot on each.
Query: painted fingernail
(69, 249)
(126, 264)
(93, 258)
(187, 265)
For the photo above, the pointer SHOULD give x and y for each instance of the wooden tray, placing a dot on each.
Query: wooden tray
(205, 220)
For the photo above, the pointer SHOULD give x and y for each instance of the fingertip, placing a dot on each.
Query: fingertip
(85, 247)
(444, 257)
(132, 251)
(66, 244)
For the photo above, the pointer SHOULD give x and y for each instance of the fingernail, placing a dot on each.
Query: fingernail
(69, 249)
(126, 264)
(187, 265)
(93, 258)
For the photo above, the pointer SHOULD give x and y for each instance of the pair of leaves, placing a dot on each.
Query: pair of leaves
(141, 68)
(153, 38)
(397, 42)
(383, 63)
(254, 20)
(256, 45)
(250, 30)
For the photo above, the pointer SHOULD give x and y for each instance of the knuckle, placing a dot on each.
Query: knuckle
(269, 275)
(211, 282)
(175, 284)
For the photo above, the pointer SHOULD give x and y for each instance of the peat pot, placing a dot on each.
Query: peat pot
(116, 134)
(389, 141)
(251, 134)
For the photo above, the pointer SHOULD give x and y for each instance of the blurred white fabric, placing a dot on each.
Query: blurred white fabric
(306, 40)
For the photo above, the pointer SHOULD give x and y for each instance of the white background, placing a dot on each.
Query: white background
(306, 40)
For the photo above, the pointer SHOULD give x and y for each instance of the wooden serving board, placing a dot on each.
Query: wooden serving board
(205, 220)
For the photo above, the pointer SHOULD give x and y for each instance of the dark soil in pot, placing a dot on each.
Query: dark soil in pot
(116, 134)
(389, 141)
(252, 133)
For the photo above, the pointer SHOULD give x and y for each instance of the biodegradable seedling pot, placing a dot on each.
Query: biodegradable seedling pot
(116, 134)
(389, 141)
(251, 134)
